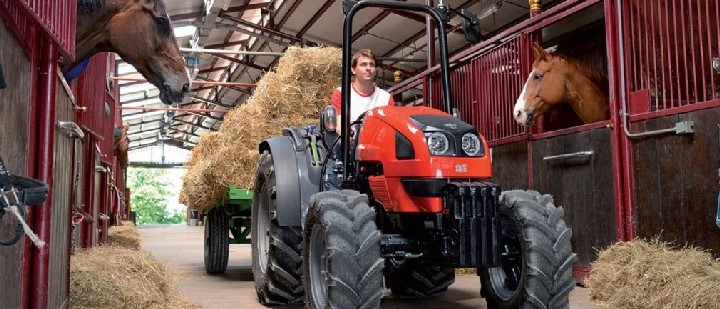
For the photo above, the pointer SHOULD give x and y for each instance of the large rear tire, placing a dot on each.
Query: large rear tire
(217, 241)
(276, 263)
(411, 280)
(537, 261)
(342, 265)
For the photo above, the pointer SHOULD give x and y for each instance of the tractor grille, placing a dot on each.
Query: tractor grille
(470, 224)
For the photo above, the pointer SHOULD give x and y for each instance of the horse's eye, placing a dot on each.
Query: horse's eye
(163, 23)
(537, 76)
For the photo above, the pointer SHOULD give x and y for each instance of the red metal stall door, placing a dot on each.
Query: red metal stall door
(57, 18)
(672, 53)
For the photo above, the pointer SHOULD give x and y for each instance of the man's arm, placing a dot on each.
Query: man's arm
(336, 101)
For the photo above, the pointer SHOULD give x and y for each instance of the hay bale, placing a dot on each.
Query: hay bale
(125, 236)
(655, 274)
(115, 277)
(291, 95)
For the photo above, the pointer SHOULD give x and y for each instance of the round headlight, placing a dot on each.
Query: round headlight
(471, 145)
(438, 143)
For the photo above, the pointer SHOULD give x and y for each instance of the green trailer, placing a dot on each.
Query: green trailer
(225, 224)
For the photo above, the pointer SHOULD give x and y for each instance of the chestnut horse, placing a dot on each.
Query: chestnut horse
(140, 32)
(555, 79)
(120, 144)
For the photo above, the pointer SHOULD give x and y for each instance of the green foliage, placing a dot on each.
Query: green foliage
(150, 195)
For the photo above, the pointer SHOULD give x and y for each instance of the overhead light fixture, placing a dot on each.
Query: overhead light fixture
(492, 9)
(184, 31)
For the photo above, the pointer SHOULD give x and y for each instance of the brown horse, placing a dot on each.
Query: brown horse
(140, 32)
(555, 79)
(121, 143)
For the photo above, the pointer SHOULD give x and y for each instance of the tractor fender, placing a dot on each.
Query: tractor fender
(296, 179)
(287, 182)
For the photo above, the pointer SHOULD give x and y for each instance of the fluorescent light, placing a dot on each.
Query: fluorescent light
(183, 31)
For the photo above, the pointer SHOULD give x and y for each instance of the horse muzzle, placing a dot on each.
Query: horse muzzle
(169, 96)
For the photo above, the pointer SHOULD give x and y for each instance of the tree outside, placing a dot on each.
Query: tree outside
(149, 196)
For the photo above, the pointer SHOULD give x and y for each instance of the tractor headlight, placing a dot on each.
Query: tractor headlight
(471, 145)
(438, 143)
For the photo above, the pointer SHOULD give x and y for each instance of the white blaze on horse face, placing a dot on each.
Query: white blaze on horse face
(519, 112)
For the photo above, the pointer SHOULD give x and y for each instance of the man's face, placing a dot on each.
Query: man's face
(365, 69)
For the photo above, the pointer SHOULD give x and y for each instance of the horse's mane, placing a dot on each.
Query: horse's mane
(93, 6)
(90, 6)
(596, 76)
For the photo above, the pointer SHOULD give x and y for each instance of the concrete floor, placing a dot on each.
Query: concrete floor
(180, 247)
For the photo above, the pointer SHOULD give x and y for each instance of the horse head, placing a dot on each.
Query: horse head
(121, 143)
(556, 79)
(140, 32)
(543, 88)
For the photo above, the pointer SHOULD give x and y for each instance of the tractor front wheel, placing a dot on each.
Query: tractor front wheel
(342, 266)
(276, 263)
(217, 241)
(537, 257)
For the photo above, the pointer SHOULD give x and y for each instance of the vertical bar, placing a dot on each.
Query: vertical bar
(683, 37)
(710, 29)
(667, 59)
(653, 55)
(43, 215)
(497, 96)
(693, 64)
(676, 76)
(31, 150)
(717, 35)
(617, 136)
(702, 67)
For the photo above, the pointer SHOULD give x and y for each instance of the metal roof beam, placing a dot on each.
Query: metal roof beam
(194, 124)
(251, 33)
(227, 44)
(210, 70)
(203, 115)
(314, 18)
(243, 62)
(183, 132)
(247, 6)
(204, 100)
(262, 29)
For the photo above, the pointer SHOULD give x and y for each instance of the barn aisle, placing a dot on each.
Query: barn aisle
(180, 247)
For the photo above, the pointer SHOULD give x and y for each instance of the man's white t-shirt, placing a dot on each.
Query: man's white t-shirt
(362, 103)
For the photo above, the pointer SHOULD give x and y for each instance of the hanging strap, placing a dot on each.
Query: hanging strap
(15, 192)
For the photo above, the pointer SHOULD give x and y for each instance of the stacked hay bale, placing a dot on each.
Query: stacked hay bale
(292, 95)
(125, 236)
(119, 275)
(654, 274)
(200, 190)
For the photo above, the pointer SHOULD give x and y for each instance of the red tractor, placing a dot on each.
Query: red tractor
(400, 204)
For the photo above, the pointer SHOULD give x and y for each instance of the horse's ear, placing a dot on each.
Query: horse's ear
(152, 6)
(539, 52)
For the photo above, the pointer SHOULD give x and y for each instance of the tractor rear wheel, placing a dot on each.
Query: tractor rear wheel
(217, 241)
(276, 264)
(416, 281)
(537, 257)
(342, 265)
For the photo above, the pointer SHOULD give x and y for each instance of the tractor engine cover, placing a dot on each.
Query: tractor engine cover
(410, 179)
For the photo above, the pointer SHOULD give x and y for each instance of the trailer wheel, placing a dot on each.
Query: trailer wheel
(342, 265)
(276, 263)
(415, 281)
(216, 241)
(537, 257)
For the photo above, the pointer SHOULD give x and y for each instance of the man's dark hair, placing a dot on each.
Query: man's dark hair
(363, 53)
